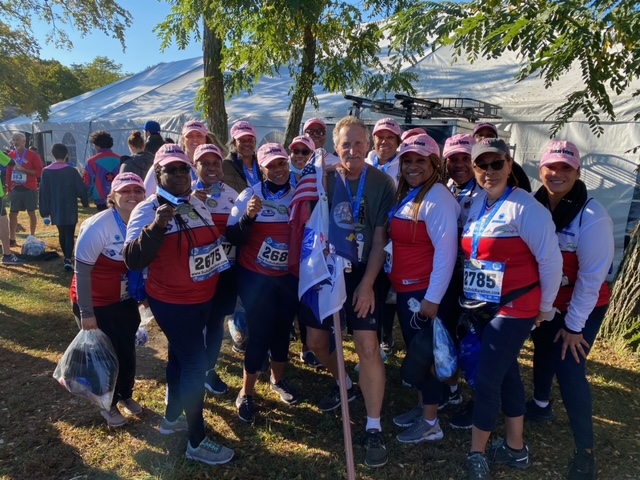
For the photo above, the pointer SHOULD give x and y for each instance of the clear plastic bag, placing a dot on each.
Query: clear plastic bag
(33, 247)
(146, 315)
(142, 336)
(445, 354)
(89, 368)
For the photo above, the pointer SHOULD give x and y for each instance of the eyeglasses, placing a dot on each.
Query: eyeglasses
(297, 151)
(320, 133)
(178, 169)
(495, 165)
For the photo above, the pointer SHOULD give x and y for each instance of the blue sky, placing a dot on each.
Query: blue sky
(143, 47)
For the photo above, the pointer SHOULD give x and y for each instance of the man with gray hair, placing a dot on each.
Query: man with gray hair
(22, 184)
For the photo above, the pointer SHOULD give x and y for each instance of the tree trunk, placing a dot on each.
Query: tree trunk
(213, 105)
(304, 87)
(623, 317)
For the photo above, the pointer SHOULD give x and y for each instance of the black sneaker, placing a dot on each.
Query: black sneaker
(287, 394)
(214, 384)
(246, 409)
(332, 401)
(536, 414)
(449, 398)
(68, 265)
(583, 466)
(464, 419)
(376, 452)
(310, 359)
(11, 259)
(499, 453)
(477, 467)
(387, 343)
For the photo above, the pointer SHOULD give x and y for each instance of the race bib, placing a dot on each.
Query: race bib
(205, 262)
(388, 263)
(124, 287)
(273, 255)
(483, 280)
(229, 251)
(19, 178)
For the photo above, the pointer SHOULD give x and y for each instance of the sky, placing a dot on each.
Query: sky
(142, 45)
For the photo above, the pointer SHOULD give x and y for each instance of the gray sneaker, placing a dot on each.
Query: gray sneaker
(178, 425)
(376, 452)
(477, 467)
(11, 259)
(113, 417)
(209, 452)
(500, 453)
(408, 418)
(421, 431)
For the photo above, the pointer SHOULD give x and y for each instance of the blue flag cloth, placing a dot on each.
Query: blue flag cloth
(342, 230)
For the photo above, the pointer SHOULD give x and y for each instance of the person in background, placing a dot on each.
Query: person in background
(316, 130)
(8, 258)
(561, 346)
(172, 234)
(219, 199)
(259, 224)
(22, 183)
(152, 138)
(140, 160)
(241, 168)
(489, 130)
(101, 169)
(512, 261)
(99, 288)
(60, 188)
(423, 237)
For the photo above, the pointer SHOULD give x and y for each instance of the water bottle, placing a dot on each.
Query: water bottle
(47, 221)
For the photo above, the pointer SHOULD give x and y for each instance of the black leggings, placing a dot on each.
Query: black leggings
(66, 234)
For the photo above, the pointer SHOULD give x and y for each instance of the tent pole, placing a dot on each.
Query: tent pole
(344, 399)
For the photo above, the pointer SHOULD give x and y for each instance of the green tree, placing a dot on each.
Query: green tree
(55, 82)
(100, 72)
(552, 36)
(317, 43)
(19, 49)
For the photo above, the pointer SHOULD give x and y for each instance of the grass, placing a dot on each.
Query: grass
(46, 433)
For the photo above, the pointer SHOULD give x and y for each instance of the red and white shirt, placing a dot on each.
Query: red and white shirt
(267, 249)
(521, 236)
(424, 253)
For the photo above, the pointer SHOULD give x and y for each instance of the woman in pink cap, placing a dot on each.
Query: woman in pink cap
(561, 346)
(300, 150)
(241, 169)
(386, 141)
(423, 237)
(99, 289)
(172, 234)
(259, 224)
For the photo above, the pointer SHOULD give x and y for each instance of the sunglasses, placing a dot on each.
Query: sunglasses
(297, 151)
(315, 132)
(495, 165)
(178, 169)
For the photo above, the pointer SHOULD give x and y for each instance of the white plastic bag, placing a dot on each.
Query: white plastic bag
(89, 368)
(146, 315)
(33, 247)
(445, 354)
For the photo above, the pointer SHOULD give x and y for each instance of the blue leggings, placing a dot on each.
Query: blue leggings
(271, 304)
(183, 326)
(572, 376)
(498, 379)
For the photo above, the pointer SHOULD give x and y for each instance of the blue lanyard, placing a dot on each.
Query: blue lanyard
(465, 191)
(376, 163)
(276, 196)
(213, 190)
(294, 180)
(355, 205)
(120, 223)
(21, 160)
(410, 196)
(252, 175)
(171, 198)
(482, 225)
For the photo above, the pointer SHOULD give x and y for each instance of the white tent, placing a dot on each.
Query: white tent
(166, 93)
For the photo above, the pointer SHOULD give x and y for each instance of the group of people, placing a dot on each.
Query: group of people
(206, 226)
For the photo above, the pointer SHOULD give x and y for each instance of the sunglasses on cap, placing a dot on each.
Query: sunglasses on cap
(495, 165)
(297, 151)
(310, 131)
(177, 169)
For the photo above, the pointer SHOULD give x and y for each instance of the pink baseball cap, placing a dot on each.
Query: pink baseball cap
(306, 141)
(204, 149)
(125, 179)
(411, 132)
(388, 124)
(314, 121)
(242, 129)
(268, 152)
(421, 144)
(480, 126)
(170, 152)
(194, 126)
(460, 143)
(561, 151)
